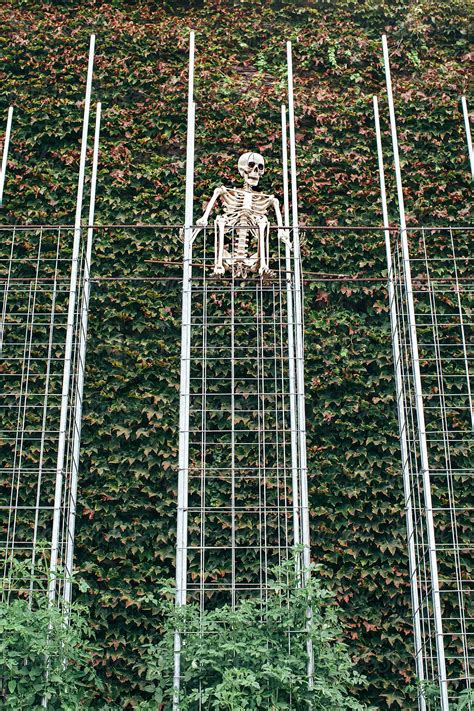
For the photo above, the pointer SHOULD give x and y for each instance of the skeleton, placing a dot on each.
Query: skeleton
(244, 217)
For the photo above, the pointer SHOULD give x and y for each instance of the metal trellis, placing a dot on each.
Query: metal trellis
(242, 483)
(430, 289)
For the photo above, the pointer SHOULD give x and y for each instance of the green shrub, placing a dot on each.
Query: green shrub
(240, 658)
(464, 700)
(42, 657)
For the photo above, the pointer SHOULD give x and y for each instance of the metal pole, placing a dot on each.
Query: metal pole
(467, 126)
(420, 413)
(299, 350)
(183, 457)
(401, 415)
(291, 344)
(6, 144)
(77, 423)
(70, 333)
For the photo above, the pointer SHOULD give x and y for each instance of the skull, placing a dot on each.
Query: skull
(251, 167)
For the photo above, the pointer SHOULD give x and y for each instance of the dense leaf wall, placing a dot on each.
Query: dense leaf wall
(125, 533)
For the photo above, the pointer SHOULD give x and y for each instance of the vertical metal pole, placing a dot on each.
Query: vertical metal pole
(77, 423)
(6, 144)
(232, 444)
(70, 333)
(419, 405)
(467, 126)
(401, 416)
(299, 351)
(183, 457)
(291, 344)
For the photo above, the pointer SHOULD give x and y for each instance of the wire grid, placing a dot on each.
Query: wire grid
(244, 506)
(35, 273)
(443, 291)
(240, 507)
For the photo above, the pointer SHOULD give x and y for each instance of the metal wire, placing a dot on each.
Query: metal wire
(241, 505)
(242, 514)
(445, 332)
(239, 429)
(423, 326)
(34, 308)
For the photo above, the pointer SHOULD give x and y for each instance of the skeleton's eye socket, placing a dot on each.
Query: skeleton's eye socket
(260, 167)
(251, 164)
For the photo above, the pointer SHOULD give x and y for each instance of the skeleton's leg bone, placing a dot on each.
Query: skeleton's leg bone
(219, 229)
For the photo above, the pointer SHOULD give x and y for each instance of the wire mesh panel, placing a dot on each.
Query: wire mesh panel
(35, 483)
(439, 498)
(242, 497)
(241, 506)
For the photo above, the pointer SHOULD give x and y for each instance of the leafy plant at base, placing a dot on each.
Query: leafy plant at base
(430, 692)
(41, 657)
(255, 656)
(466, 700)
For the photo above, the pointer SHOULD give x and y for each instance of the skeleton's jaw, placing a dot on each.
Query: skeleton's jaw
(250, 183)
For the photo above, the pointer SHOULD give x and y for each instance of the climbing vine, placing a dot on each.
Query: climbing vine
(125, 531)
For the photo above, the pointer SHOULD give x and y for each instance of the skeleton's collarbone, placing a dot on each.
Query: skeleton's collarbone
(243, 199)
(242, 192)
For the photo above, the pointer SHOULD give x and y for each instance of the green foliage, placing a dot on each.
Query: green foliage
(40, 656)
(254, 656)
(127, 492)
(430, 693)
(466, 700)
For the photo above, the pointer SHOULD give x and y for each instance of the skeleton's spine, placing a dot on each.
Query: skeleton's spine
(241, 244)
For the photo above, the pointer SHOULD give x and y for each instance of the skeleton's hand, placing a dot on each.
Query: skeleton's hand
(284, 235)
(202, 222)
(218, 270)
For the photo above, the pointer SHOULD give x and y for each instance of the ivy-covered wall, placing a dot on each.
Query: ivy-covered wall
(125, 534)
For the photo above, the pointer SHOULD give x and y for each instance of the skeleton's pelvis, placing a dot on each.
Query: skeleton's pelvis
(240, 266)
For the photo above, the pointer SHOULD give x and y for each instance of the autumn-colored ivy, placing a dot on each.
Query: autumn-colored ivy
(125, 531)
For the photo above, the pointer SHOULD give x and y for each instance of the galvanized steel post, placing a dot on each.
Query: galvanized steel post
(183, 457)
(401, 406)
(425, 467)
(70, 333)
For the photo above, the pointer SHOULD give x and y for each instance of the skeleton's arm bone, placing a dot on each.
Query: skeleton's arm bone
(276, 207)
(219, 227)
(282, 234)
(215, 196)
(263, 229)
